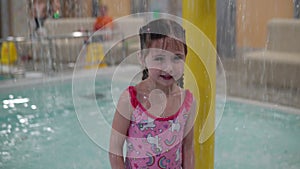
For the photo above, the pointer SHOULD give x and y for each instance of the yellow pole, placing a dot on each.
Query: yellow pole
(202, 14)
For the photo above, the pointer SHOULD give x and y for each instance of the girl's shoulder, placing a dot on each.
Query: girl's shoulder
(189, 94)
(189, 100)
(123, 104)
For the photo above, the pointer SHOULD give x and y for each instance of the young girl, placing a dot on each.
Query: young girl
(156, 116)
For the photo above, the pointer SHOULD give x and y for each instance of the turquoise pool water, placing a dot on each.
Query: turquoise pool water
(40, 129)
(3, 77)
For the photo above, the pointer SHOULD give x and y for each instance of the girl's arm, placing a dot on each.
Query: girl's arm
(188, 155)
(120, 126)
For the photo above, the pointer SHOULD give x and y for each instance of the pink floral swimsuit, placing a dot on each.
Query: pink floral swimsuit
(155, 142)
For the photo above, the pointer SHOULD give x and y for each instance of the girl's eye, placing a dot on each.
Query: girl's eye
(158, 58)
(178, 57)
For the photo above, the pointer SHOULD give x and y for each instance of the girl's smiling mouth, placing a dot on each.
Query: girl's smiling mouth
(166, 77)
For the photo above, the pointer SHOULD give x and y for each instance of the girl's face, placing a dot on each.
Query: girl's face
(165, 61)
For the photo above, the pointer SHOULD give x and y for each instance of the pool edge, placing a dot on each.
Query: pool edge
(292, 110)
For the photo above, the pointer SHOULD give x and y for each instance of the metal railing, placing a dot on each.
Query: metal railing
(56, 53)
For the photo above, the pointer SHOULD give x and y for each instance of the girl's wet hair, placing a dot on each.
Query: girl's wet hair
(159, 29)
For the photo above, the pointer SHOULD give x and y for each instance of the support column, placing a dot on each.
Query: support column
(202, 13)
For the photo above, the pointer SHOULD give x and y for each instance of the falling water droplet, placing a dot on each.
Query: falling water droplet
(33, 107)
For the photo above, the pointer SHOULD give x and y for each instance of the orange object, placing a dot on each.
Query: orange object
(103, 22)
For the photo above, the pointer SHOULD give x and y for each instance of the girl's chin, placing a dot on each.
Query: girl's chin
(166, 81)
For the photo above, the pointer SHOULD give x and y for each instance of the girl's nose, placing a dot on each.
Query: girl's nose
(168, 67)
